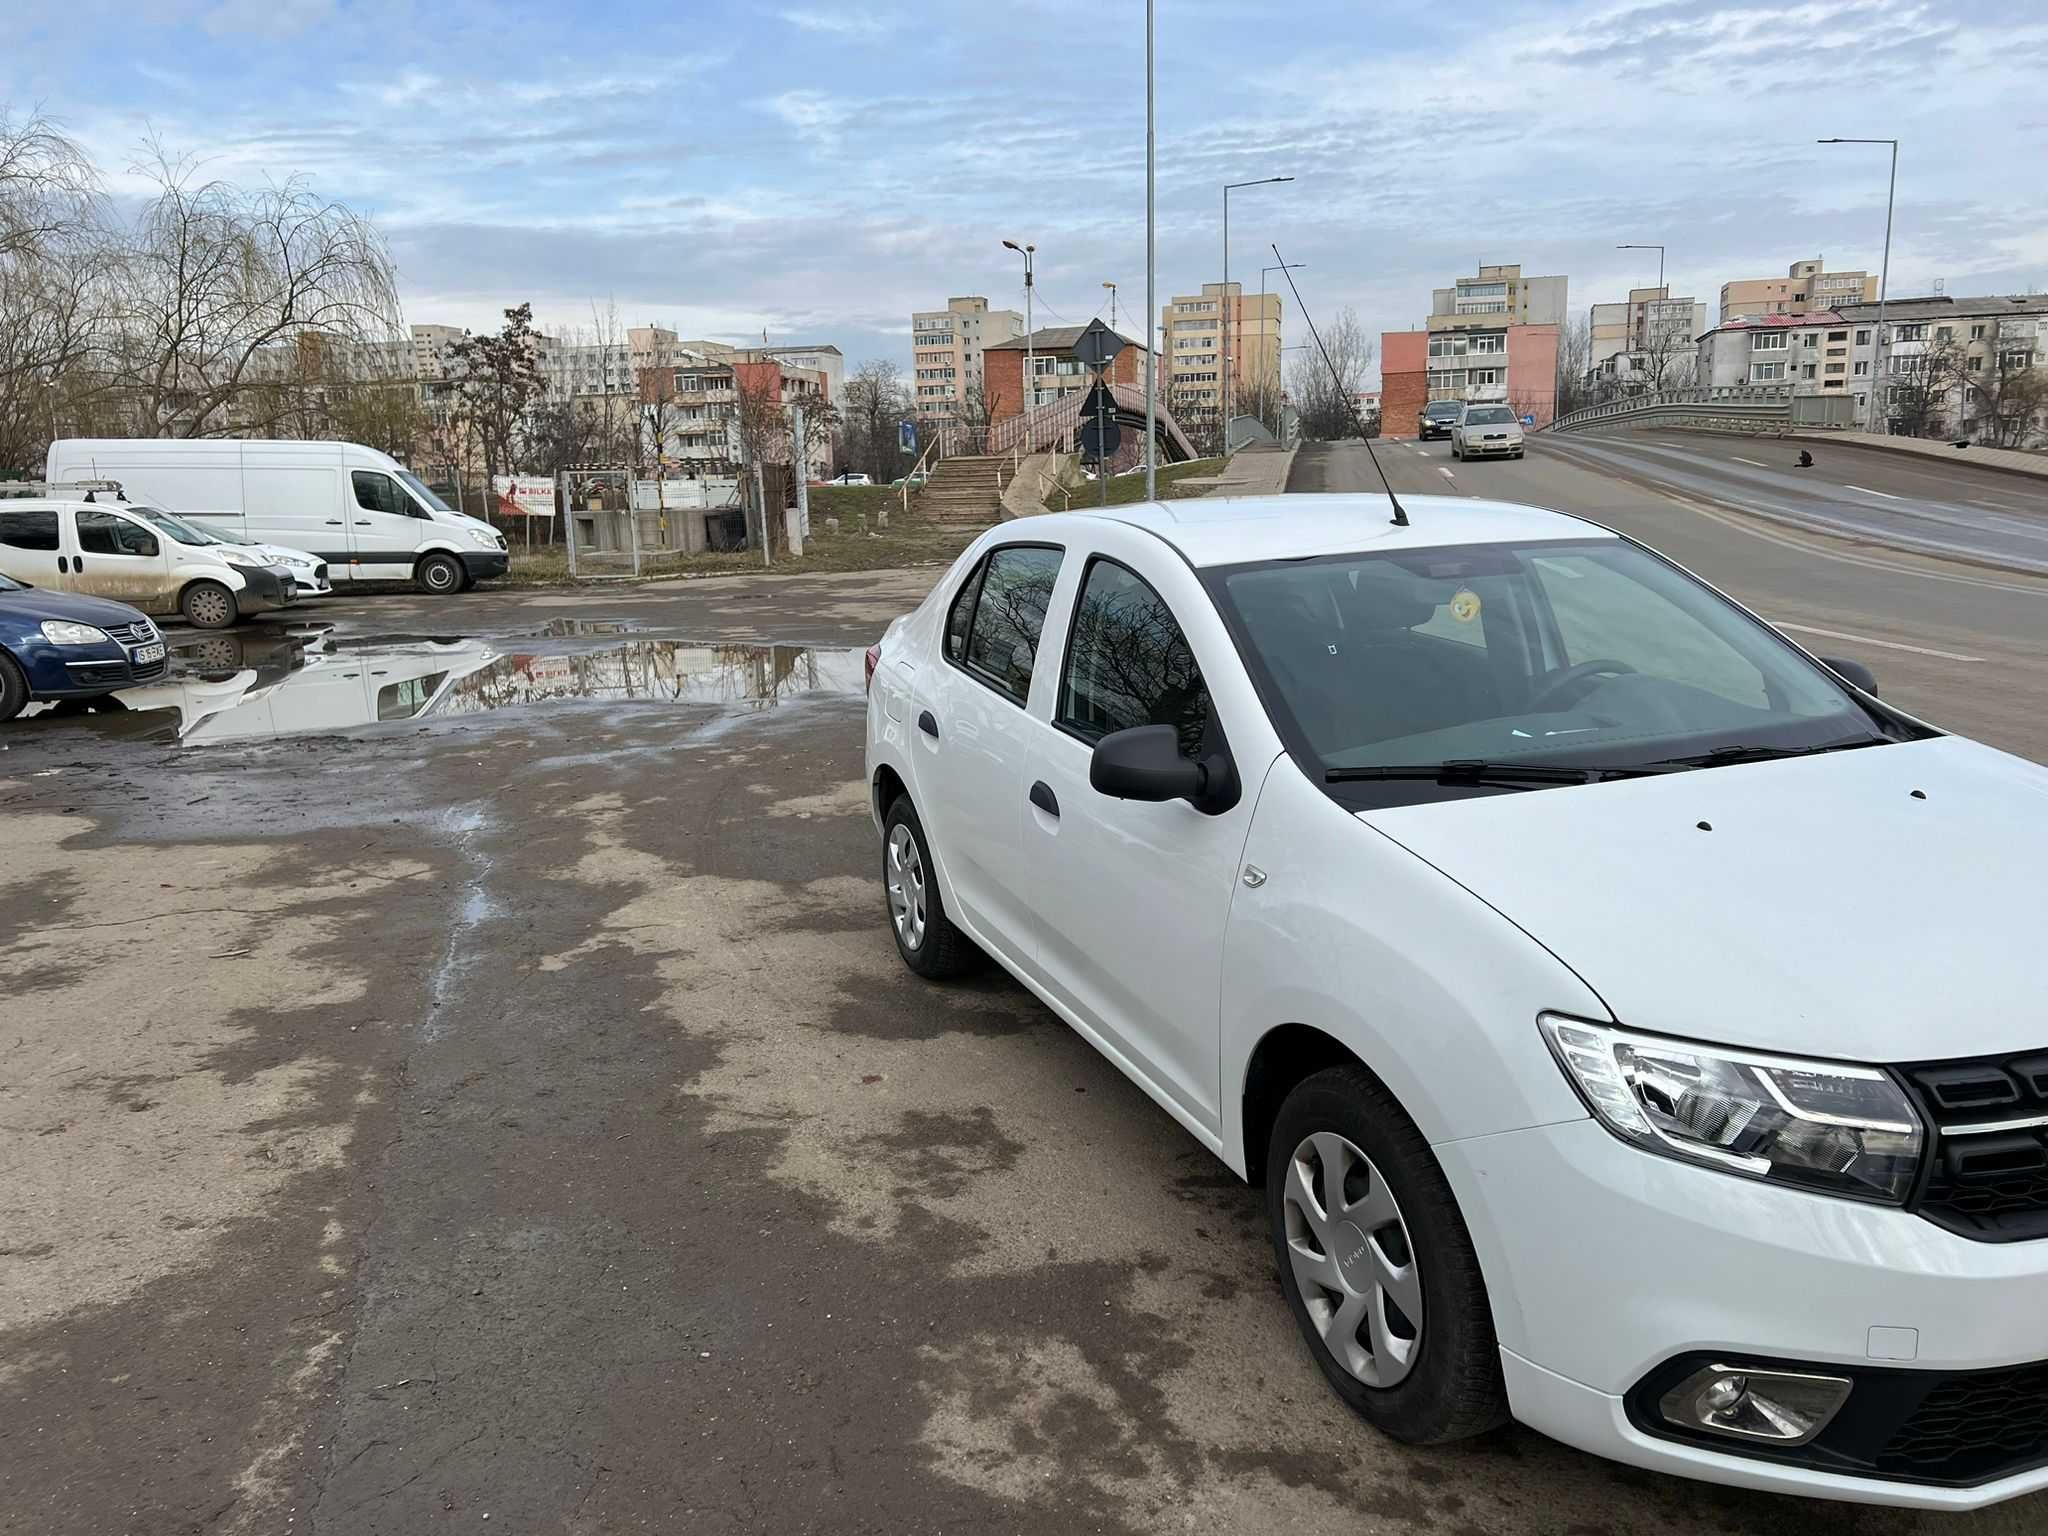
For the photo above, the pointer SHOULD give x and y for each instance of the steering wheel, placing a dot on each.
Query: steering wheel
(1571, 677)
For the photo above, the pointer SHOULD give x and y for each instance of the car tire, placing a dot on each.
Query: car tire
(1447, 1386)
(925, 937)
(208, 605)
(438, 574)
(13, 688)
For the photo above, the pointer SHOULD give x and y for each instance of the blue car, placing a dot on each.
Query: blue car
(61, 645)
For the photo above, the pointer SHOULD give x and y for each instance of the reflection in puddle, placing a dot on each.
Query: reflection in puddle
(556, 629)
(238, 686)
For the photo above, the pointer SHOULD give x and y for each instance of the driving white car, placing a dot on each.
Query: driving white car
(1634, 1023)
(1487, 431)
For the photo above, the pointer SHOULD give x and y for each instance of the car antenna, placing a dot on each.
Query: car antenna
(1400, 517)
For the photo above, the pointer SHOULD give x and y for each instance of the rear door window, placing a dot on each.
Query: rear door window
(1009, 616)
(109, 533)
(1129, 664)
(29, 530)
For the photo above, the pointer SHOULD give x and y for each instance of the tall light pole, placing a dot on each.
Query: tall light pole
(1112, 304)
(1285, 266)
(1662, 293)
(1660, 260)
(1030, 376)
(1226, 315)
(1884, 275)
(1151, 298)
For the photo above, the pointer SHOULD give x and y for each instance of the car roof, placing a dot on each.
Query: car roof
(1232, 530)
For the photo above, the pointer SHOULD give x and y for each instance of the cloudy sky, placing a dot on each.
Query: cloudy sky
(821, 168)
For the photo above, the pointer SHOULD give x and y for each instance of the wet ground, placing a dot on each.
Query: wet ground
(514, 1107)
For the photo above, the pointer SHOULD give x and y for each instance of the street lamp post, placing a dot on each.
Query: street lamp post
(1662, 293)
(1030, 378)
(1285, 266)
(1877, 352)
(1112, 304)
(1226, 315)
(1151, 298)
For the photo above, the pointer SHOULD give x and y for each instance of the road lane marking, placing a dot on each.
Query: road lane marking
(1887, 495)
(1445, 473)
(1662, 444)
(1754, 463)
(1890, 645)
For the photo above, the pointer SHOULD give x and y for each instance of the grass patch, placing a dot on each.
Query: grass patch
(1125, 490)
(906, 541)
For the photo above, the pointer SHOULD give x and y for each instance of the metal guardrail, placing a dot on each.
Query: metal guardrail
(1744, 406)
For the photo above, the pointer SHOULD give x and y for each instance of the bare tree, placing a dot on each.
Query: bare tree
(217, 285)
(1325, 392)
(1921, 386)
(875, 404)
(2011, 404)
(1575, 384)
(499, 381)
(47, 186)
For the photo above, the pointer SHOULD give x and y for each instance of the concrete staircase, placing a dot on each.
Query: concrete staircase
(965, 492)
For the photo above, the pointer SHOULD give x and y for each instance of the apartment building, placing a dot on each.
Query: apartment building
(947, 346)
(430, 350)
(1647, 340)
(1496, 297)
(821, 358)
(1193, 337)
(1806, 286)
(701, 419)
(1513, 364)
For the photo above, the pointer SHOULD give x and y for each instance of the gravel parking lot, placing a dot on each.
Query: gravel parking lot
(521, 1112)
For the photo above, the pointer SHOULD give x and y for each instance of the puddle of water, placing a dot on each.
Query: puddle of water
(556, 629)
(234, 687)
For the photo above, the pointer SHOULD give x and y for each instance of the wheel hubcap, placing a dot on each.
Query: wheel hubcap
(439, 576)
(1349, 1249)
(209, 608)
(904, 871)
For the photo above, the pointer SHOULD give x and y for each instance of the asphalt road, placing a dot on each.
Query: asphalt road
(524, 1114)
(1961, 644)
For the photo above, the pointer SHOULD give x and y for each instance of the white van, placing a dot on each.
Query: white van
(362, 512)
(137, 554)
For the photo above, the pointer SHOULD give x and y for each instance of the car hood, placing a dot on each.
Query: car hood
(38, 603)
(1829, 911)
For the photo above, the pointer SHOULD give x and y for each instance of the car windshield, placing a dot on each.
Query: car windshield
(9, 584)
(1445, 408)
(1593, 652)
(176, 527)
(426, 497)
(1488, 415)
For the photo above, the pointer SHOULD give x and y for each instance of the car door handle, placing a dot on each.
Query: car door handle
(334, 522)
(62, 568)
(1043, 797)
(362, 522)
(928, 725)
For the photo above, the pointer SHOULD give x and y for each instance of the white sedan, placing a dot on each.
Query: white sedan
(1634, 1023)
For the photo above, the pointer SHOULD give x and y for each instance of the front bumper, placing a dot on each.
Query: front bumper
(483, 564)
(1482, 450)
(86, 671)
(265, 587)
(1605, 1264)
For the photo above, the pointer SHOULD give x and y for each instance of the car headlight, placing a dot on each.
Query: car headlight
(63, 632)
(248, 559)
(1820, 1125)
(484, 538)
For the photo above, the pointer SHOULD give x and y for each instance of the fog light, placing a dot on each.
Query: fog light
(1781, 1407)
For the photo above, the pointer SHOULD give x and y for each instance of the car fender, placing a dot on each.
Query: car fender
(1350, 934)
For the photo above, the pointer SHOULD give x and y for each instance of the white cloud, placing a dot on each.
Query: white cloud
(841, 23)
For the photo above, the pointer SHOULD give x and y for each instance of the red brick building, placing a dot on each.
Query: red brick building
(1052, 353)
(1516, 365)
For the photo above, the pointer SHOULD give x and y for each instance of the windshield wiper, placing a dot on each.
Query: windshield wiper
(1722, 756)
(1473, 770)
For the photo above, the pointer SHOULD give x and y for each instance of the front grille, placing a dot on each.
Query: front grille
(1986, 1173)
(141, 633)
(1973, 1427)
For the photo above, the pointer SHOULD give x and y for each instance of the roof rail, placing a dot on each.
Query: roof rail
(63, 490)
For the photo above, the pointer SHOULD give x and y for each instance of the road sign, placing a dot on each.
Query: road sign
(906, 436)
(1528, 421)
(1100, 437)
(1098, 346)
(1099, 402)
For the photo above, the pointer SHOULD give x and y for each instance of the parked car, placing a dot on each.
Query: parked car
(307, 571)
(1633, 1022)
(63, 645)
(851, 477)
(1487, 431)
(139, 555)
(364, 514)
(1437, 419)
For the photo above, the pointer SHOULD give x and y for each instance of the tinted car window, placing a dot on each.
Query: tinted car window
(1002, 643)
(379, 493)
(1128, 663)
(108, 533)
(962, 613)
(29, 530)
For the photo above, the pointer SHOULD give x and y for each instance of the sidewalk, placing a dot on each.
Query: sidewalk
(1260, 470)
(2012, 460)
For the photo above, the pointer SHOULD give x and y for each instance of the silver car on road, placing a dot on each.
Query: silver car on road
(1485, 431)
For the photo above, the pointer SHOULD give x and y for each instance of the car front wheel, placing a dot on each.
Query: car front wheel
(13, 688)
(438, 575)
(925, 937)
(1378, 1268)
(208, 605)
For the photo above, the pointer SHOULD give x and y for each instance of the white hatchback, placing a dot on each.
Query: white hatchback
(1635, 1024)
(1487, 432)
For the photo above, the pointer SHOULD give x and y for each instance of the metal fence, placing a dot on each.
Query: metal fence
(1732, 408)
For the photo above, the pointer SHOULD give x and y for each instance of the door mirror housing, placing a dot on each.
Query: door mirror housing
(1853, 673)
(1144, 763)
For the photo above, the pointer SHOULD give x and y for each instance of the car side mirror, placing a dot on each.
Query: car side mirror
(1144, 763)
(1853, 673)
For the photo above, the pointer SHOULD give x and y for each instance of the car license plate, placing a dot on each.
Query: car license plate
(150, 652)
